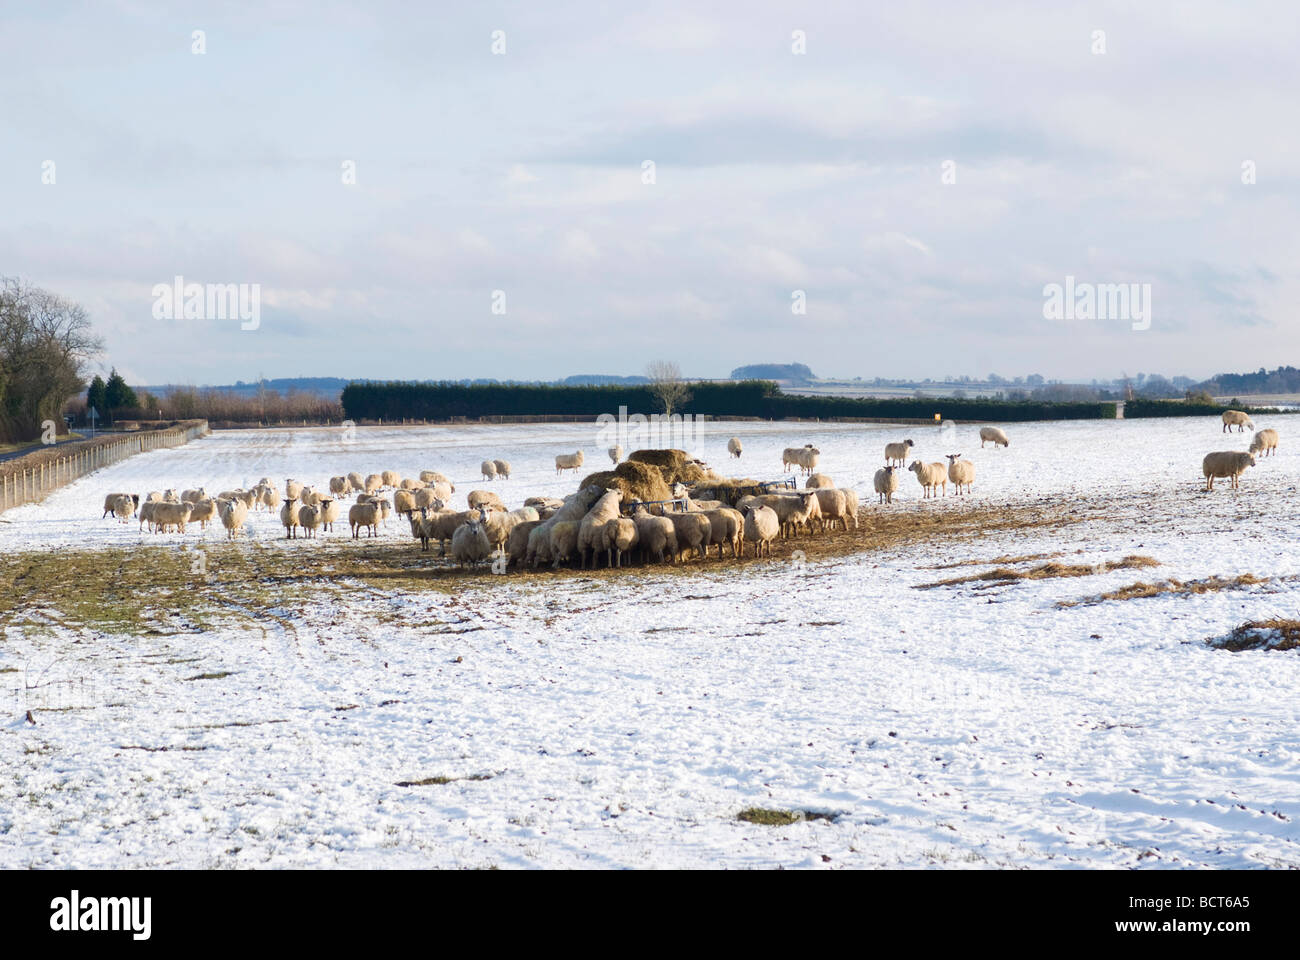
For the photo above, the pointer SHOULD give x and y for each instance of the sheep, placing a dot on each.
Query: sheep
(498, 526)
(340, 486)
(419, 526)
(761, 527)
(470, 544)
(792, 456)
(443, 524)
(573, 509)
(540, 502)
(896, 453)
(289, 518)
(193, 496)
(433, 476)
(851, 505)
(485, 498)
(385, 508)
(591, 531)
(792, 509)
(111, 500)
(503, 468)
(819, 481)
(202, 511)
(270, 497)
(403, 502)
(886, 481)
(517, 542)
(329, 513)
(489, 469)
(123, 506)
(168, 514)
(703, 506)
(391, 478)
(170, 496)
(563, 541)
(726, 526)
(312, 497)
(309, 519)
(567, 461)
(694, 533)
(1265, 440)
(527, 513)
(364, 515)
(994, 434)
(833, 507)
(409, 483)
(960, 472)
(355, 481)
(292, 489)
(620, 538)
(655, 535)
(539, 545)
(426, 497)
(374, 483)
(146, 513)
(734, 447)
(1225, 463)
(1235, 418)
(930, 475)
(233, 515)
(615, 454)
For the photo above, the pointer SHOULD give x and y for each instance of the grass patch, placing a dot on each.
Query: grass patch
(438, 781)
(212, 676)
(1046, 571)
(1260, 635)
(1025, 558)
(161, 749)
(1171, 587)
(781, 818)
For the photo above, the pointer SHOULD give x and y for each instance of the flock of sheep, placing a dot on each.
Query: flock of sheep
(594, 522)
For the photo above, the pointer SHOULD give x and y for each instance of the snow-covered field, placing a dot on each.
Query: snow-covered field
(626, 722)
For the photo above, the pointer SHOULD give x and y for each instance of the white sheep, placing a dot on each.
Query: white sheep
(340, 486)
(819, 481)
(655, 535)
(896, 453)
(489, 469)
(886, 481)
(960, 472)
(503, 468)
(366, 515)
(833, 506)
(309, 519)
(616, 454)
(168, 514)
(734, 447)
(761, 528)
(374, 483)
(1235, 418)
(1265, 441)
(404, 502)
(567, 461)
(292, 489)
(233, 515)
(110, 502)
(994, 434)
(329, 513)
(191, 496)
(1225, 463)
(391, 478)
(930, 476)
(202, 511)
(289, 518)
(851, 505)
(591, 531)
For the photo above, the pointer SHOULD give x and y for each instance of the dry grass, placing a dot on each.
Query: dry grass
(780, 818)
(1181, 588)
(1026, 558)
(1260, 635)
(1046, 571)
(635, 480)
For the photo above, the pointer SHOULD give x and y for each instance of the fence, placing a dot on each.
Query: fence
(22, 483)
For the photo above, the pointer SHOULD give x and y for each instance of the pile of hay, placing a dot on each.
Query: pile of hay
(676, 466)
(727, 490)
(636, 480)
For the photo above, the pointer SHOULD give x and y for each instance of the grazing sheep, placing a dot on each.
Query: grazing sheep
(1225, 463)
(591, 531)
(994, 434)
(329, 513)
(851, 505)
(248, 498)
(374, 483)
(289, 518)
(470, 544)
(443, 524)
(391, 478)
(694, 533)
(433, 476)
(193, 496)
(409, 483)
(385, 508)
(340, 486)
(403, 502)
(485, 498)
(489, 469)
(356, 481)
(419, 527)
(960, 472)
(309, 519)
(805, 458)
(726, 526)
(620, 538)
(202, 511)
(526, 513)
(792, 509)
(517, 542)
(573, 509)
(168, 514)
(312, 497)
(564, 540)
(819, 481)
(834, 507)
(146, 513)
(761, 527)
(111, 499)
(233, 515)
(655, 535)
(1266, 441)
(734, 447)
(703, 506)
(498, 526)
(887, 483)
(503, 468)
(616, 454)
(896, 453)
(567, 461)
(292, 489)
(1235, 418)
(930, 475)
(364, 515)
(426, 497)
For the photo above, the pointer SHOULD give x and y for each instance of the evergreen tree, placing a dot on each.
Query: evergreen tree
(97, 397)
(118, 395)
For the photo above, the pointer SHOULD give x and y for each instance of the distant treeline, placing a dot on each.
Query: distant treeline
(1281, 380)
(1135, 409)
(370, 400)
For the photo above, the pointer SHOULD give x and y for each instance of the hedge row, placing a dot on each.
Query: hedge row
(369, 400)
(1134, 409)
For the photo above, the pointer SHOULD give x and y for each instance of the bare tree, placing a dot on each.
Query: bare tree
(666, 384)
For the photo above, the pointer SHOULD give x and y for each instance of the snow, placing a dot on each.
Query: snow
(626, 724)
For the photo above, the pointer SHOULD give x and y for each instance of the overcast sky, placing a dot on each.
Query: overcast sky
(774, 172)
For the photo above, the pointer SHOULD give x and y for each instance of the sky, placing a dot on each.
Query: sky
(920, 172)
